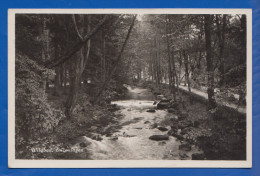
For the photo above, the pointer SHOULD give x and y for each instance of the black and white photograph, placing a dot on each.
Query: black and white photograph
(130, 88)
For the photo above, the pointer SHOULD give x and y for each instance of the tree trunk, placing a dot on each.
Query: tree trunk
(103, 56)
(74, 88)
(221, 39)
(79, 66)
(116, 63)
(210, 68)
(186, 65)
(45, 49)
(57, 82)
(243, 39)
(156, 63)
(169, 53)
(180, 63)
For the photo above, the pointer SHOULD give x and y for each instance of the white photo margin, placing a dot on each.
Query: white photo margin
(21, 163)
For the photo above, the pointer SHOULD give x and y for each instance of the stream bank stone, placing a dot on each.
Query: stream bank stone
(183, 115)
(113, 108)
(174, 105)
(82, 144)
(171, 110)
(196, 124)
(186, 130)
(183, 156)
(198, 156)
(159, 137)
(184, 124)
(174, 126)
(185, 147)
(175, 134)
(163, 104)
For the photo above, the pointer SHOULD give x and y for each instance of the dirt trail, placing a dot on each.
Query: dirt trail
(222, 102)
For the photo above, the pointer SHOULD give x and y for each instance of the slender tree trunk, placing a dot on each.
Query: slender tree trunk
(173, 75)
(180, 63)
(221, 39)
(57, 83)
(104, 57)
(156, 63)
(222, 66)
(169, 53)
(243, 39)
(186, 65)
(45, 49)
(210, 68)
(79, 66)
(61, 75)
(116, 63)
(74, 88)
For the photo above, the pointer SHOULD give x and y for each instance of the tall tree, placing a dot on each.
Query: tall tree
(210, 69)
(221, 41)
(81, 58)
(119, 57)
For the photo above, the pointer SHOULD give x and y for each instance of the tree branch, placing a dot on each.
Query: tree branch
(76, 28)
(76, 47)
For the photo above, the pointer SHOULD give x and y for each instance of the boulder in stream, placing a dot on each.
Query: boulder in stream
(162, 128)
(159, 137)
(82, 141)
(163, 104)
(155, 125)
(150, 110)
(157, 93)
(96, 137)
(160, 97)
(147, 122)
(83, 144)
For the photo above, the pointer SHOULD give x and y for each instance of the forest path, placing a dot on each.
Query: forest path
(131, 140)
(222, 102)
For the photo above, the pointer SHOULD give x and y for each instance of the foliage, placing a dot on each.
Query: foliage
(34, 115)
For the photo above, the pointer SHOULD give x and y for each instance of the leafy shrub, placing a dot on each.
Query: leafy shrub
(34, 114)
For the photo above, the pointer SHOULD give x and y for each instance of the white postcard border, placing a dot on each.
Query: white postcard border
(18, 163)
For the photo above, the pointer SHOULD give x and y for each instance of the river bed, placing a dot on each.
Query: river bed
(131, 141)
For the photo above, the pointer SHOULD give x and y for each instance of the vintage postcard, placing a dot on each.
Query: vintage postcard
(130, 88)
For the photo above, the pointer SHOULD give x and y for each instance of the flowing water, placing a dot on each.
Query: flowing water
(131, 141)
